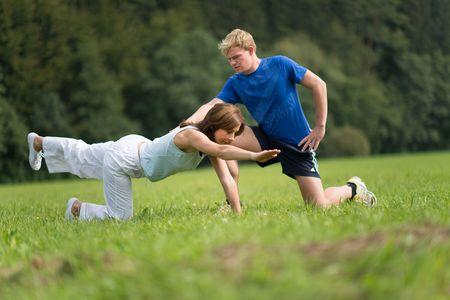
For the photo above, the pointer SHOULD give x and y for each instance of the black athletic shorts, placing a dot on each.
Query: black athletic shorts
(294, 162)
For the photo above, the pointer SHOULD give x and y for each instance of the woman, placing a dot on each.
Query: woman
(135, 156)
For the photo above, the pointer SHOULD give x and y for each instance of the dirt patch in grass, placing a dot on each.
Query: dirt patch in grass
(39, 269)
(406, 237)
(237, 256)
(43, 271)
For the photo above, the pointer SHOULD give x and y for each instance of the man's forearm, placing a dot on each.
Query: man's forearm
(318, 88)
(200, 114)
(320, 103)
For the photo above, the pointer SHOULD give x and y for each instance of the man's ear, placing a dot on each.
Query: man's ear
(251, 50)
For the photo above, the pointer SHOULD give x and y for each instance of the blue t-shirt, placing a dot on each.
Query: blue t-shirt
(270, 95)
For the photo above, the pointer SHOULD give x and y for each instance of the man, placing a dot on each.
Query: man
(267, 87)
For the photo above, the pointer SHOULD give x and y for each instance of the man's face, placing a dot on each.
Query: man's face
(240, 59)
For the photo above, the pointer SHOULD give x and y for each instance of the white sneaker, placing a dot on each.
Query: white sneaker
(69, 215)
(363, 195)
(34, 158)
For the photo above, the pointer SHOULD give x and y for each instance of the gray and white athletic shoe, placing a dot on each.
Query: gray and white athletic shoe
(363, 195)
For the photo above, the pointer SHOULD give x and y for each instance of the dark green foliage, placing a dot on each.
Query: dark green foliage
(49, 116)
(186, 73)
(101, 69)
(13, 154)
(97, 105)
(345, 141)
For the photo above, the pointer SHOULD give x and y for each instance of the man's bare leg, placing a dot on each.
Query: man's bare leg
(311, 187)
(247, 140)
(312, 192)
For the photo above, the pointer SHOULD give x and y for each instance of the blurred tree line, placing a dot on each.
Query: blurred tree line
(100, 69)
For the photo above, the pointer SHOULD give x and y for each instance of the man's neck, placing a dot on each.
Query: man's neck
(255, 65)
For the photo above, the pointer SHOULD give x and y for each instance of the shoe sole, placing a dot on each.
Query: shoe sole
(33, 156)
(68, 214)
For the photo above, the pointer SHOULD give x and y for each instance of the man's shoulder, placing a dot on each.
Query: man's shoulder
(278, 61)
(233, 77)
(277, 58)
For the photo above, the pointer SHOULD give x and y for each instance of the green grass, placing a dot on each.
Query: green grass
(178, 247)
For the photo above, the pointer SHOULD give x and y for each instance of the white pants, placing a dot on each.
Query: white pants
(113, 162)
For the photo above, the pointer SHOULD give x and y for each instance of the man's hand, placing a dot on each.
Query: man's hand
(313, 139)
(266, 155)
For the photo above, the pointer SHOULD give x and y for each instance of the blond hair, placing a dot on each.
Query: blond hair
(237, 38)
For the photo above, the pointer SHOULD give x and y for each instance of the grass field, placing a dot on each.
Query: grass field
(178, 247)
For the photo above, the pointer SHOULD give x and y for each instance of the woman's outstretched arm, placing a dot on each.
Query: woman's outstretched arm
(192, 140)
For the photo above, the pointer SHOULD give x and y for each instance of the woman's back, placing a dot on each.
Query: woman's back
(161, 158)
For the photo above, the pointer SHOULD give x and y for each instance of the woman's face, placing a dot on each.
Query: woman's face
(222, 136)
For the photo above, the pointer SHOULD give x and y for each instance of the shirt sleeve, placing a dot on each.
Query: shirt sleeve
(294, 71)
(228, 93)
